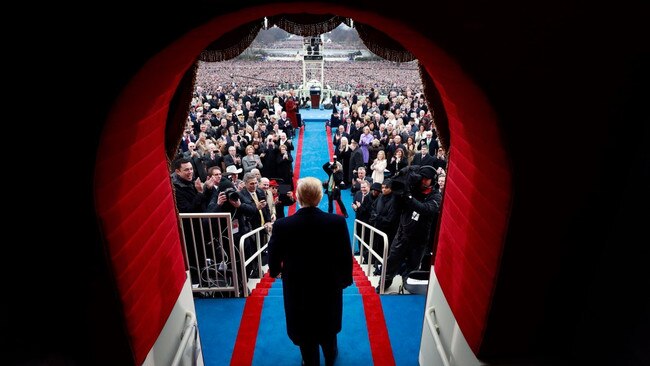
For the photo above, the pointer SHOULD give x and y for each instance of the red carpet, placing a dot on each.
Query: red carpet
(242, 355)
(296, 166)
(382, 352)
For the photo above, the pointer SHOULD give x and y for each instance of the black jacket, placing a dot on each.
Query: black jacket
(313, 300)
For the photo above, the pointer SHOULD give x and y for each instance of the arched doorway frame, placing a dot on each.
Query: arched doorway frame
(134, 197)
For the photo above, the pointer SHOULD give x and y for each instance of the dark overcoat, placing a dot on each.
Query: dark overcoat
(312, 251)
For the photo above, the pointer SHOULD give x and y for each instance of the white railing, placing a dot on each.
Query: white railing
(189, 338)
(257, 254)
(381, 258)
(433, 327)
(207, 245)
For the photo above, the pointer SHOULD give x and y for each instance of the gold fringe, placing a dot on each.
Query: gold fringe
(232, 44)
(307, 25)
(382, 45)
(434, 102)
(178, 112)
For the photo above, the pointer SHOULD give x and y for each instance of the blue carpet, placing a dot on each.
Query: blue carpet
(404, 315)
(309, 115)
(314, 154)
(274, 347)
(218, 321)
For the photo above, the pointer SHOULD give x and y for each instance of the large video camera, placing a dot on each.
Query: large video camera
(406, 180)
(231, 194)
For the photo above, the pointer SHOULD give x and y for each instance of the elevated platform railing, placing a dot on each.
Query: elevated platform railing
(209, 252)
(372, 255)
(260, 248)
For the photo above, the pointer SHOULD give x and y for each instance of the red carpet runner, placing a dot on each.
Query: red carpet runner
(296, 167)
(242, 354)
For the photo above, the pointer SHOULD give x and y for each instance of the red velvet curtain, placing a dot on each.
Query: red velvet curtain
(382, 45)
(233, 43)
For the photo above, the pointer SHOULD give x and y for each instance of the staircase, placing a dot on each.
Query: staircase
(360, 302)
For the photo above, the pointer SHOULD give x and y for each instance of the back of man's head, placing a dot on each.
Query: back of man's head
(309, 192)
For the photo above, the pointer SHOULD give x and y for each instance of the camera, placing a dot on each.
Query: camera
(231, 194)
(406, 180)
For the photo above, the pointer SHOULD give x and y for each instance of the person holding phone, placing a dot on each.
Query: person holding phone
(255, 198)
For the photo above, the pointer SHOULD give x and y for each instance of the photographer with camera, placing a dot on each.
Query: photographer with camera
(420, 203)
(229, 200)
(333, 186)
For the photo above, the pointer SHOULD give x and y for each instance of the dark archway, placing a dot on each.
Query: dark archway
(134, 197)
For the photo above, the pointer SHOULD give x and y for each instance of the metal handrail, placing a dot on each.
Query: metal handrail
(258, 253)
(231, 246)
(190, 324)
(362, 244)
(435, 329)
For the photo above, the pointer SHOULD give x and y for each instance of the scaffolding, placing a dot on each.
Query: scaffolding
(312, 61)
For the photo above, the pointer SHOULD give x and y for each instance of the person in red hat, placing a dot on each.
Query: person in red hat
(281, 200)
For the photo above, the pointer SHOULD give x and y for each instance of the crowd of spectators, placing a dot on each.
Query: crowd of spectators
(234, 130)
(345, 76)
